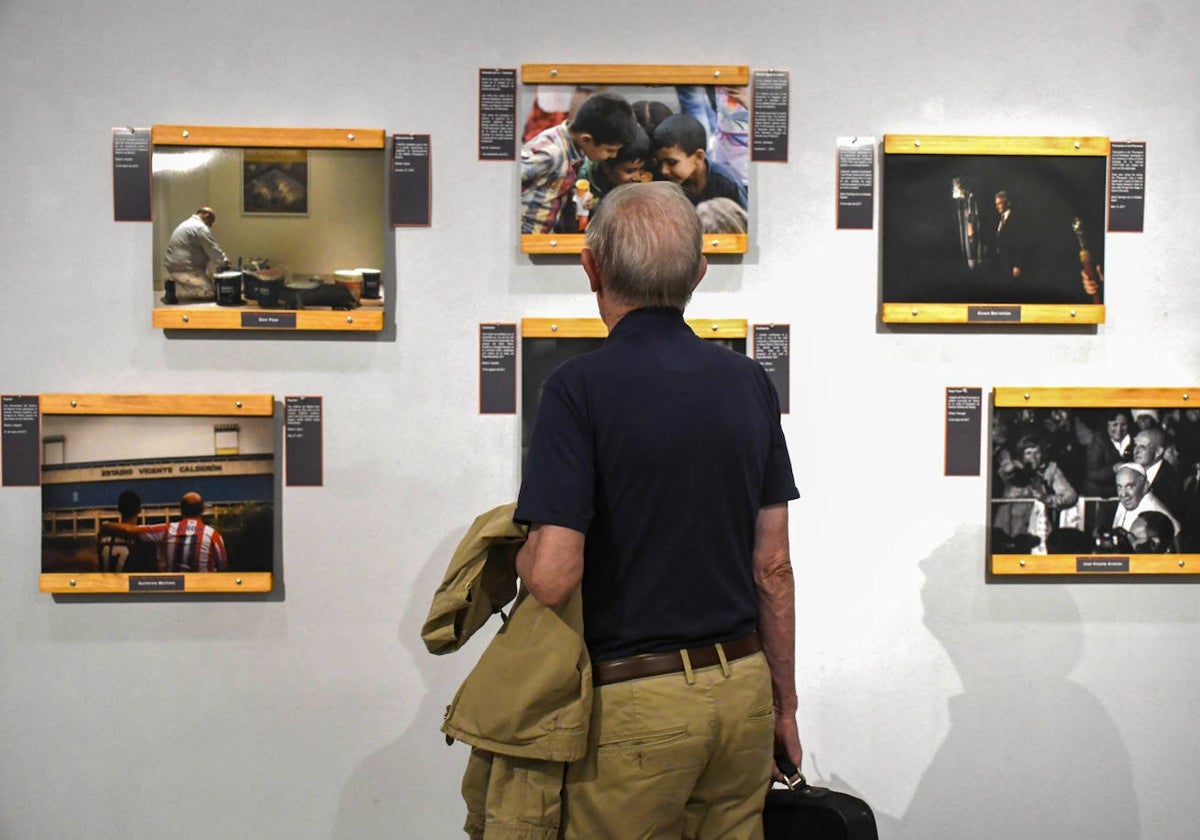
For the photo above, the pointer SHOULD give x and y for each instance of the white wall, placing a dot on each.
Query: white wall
(959, 710)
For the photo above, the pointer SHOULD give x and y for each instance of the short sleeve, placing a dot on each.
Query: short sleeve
(779, 483)
(560, 469)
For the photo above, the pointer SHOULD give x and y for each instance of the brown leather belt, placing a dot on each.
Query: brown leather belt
(656, 664)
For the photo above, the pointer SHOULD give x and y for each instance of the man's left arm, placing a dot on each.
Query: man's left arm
(550, 563)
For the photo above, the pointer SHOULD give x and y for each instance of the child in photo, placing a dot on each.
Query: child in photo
(631, 165)
(679, 149)
(551, 161)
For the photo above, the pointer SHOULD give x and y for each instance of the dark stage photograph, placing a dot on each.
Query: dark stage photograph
(993, 228)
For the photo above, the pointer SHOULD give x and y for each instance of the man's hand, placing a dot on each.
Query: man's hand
(787, 742)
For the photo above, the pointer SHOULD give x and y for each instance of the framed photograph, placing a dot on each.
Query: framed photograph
(1002, 230)
(1095, 481)
(275, 181)
(579, 140)
(268, 228)
(548, 342)
(160, 493)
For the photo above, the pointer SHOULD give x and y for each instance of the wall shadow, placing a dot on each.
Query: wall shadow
(397, 790)
(1029, 752)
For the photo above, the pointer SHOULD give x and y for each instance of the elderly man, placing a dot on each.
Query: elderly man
(1149, 445)
(658, 478)
(1134, 497)
(188, 544)
(193, 256)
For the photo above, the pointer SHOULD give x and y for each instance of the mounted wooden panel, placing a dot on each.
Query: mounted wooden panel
(551, 221)
(158, 493)
(300, 218)
(995, 230)
(275, 138)
(722, 328)
(1091, 482)
(635, 74)
(572, 243)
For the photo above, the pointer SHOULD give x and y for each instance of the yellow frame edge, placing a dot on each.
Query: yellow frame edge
(184, 318)
(957, 313)
(1065, 564)
(1005, 397)
(594, 327)
(275, 138)
(216, 405)
(943, 144)
(572, 243)
(92, 583)
(636, 74)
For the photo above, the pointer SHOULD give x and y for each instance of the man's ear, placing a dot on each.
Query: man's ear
(592, 269)
(700, 274)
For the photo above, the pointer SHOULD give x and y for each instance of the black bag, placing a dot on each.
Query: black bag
(803, 812)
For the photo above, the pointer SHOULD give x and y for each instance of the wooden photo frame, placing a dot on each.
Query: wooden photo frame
(1000, 230)
(1094, 481)
(717, 95)
(297, 211)
(189, 480)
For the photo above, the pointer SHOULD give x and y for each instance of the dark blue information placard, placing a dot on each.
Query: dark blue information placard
(497, 368)
(20, 447)
(302, 420)
(772, 350)
(498, 114)
(964, 428)
(410, 180)
(131, 174)
(1126, 186)
(769, 116)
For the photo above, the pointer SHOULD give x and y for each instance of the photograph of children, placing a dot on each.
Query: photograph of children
(1095, 481)
(1003, 229)
(142, 494)
(579, 143)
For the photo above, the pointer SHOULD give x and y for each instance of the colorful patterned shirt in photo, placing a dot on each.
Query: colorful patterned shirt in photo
(549, 164)
(191, 546)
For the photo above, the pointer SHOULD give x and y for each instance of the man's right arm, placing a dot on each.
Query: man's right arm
(777, 621)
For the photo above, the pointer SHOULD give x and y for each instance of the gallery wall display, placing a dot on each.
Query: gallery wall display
(548, 342)
(700, 116)
(1095, 481)
(1004, 230)
(268, 228)
(157, 493)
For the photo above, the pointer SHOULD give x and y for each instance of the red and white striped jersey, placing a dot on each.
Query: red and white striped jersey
(191, 546)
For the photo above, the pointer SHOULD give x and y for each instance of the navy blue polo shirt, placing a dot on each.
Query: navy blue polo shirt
(660, 447)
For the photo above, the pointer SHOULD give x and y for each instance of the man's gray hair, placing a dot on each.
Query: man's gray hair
(646, 240)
